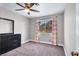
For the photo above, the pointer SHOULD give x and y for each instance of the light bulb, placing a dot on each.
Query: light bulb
(27, 10)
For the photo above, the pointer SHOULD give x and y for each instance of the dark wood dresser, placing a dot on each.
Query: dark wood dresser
(9, 41)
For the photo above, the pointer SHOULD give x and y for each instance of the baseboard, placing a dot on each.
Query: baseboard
(45, 42)
(38, 41)
(25, 41)
(41, 42)
(65, 51)
(60, 45)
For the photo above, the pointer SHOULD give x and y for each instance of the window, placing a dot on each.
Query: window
(45, 26)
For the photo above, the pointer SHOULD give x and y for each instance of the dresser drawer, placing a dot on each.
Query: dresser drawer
(9, 42)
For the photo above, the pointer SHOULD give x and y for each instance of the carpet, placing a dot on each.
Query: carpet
(36, 49)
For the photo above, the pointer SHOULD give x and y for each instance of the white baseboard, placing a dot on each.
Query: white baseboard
(60, 45)
(36, 41)
(41, 42)
(25, 41)
(65, 51)
(45, 42)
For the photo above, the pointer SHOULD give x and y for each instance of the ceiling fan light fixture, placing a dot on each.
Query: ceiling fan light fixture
(27, 7)
(27, 10)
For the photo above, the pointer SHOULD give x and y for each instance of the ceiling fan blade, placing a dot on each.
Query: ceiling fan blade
(19, 9)
(36, 4)
(31, 4)
(27, 5)
(20, 5)
(34, 10)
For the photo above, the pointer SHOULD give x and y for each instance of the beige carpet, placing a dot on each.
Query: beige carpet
(36, 49)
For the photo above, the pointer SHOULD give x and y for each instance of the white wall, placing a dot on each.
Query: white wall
(60, 30)
(70, 28)
(32, 29)
(21, 23)
(77, 26)
(77, 33)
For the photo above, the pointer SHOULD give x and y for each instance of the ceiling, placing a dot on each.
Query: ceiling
(77, 9)
(44, 8)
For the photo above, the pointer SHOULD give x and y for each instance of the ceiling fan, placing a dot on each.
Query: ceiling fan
(27, 7)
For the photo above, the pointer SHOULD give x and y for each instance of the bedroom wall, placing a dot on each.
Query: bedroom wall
(70, 28)
(77, 26)
(77, 32)
(60, 28)
(21, 23)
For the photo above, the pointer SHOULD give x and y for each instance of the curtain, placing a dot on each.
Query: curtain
(36, 30)
(54, 30)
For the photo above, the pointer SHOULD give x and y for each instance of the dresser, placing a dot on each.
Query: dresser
(9, 41)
